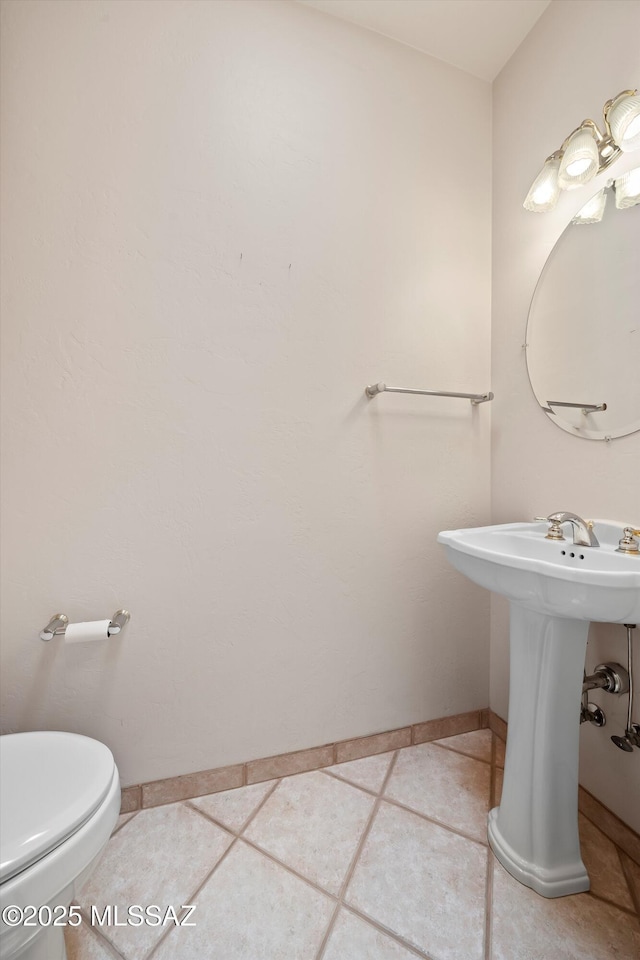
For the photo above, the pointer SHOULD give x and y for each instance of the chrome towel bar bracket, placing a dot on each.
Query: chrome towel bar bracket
(475, 398)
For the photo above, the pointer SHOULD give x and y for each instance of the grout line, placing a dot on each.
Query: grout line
(365, 833)
(461, 753)
(438, 823)
(328, 932)
(610, 903)
(339, 898)
(635, 895)
(213, 869)
(218, 823)
(446, 826)
(166, 932)
(488, 907)
(385, 782)
(349, 875)
(635, 898)
(257, 810)
(292, 870)
(208, 817)
(396, 937)
(289, 869)
(372, 793)
(488, 903)
(192, 897)
(350, 783)
(232, 833)
(361, 842)
(599, 827)
(100, 937)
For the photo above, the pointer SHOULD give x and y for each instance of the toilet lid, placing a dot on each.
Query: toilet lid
(51, 784)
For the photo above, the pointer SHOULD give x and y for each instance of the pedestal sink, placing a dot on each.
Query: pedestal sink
(555, 589)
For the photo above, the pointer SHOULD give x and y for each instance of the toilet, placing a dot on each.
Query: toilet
(60, 800)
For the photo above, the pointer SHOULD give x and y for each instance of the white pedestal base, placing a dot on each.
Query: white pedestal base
(534, 831)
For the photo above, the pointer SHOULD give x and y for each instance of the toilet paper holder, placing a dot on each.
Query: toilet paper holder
(59, 623)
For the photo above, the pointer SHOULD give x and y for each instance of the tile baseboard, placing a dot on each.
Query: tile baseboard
(448, 726)
(188, 786)
(498, 725)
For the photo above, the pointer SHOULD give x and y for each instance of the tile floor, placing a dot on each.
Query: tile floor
(383, 858)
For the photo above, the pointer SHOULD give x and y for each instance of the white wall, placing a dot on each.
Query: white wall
(578, 55)
(223, 219)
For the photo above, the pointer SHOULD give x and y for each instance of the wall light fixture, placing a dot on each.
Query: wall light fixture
(587, 151)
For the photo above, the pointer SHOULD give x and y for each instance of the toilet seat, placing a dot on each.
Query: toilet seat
(52, 783)
(75, 789)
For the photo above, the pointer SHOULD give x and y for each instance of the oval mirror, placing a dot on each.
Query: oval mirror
(583, 328)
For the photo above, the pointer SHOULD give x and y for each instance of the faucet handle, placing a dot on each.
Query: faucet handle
(628, 543)
(555, 528)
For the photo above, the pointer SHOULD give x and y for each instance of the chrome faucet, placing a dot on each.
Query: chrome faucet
(583, 535)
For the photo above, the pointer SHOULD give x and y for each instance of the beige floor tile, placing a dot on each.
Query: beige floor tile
(501, 749)
(601, 859)
(444, 785)
(476, 744)
(82, 944)
(527, 926)
(313, 824)
(252, 909)
(159, 858)
(368, 772)
(354, 939)
(423, 883)
(232, 808)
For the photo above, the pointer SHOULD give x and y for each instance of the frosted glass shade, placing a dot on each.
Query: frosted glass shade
(624, 120)
(580, 161)
(628, 189)
(545, 189)
(593, 210)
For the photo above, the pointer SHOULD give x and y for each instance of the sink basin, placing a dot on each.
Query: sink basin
(554, 589)
(550, 576)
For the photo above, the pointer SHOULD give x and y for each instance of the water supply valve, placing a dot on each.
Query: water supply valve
(610, 677)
